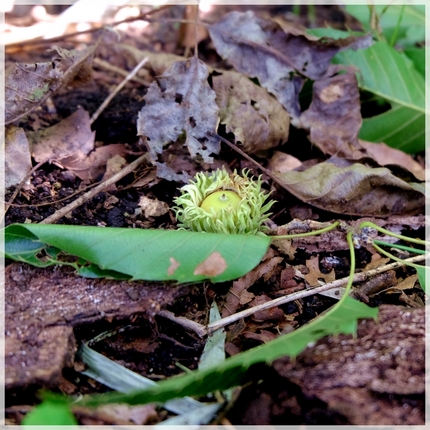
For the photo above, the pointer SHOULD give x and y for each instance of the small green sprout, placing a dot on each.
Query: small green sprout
(220, 202)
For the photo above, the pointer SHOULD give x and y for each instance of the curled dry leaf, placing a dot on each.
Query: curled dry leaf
(93, 166)
(27, 86)
(260, 48)
(384, 155)
(17, 156)
(181, 101)
(248, 111)
(72, 138)
(355, 190)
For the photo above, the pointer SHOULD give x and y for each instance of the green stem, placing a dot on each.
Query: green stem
(352, 268)
(396, 30)
(396, 246)
(390, 233)
(399, 260)
(310, 233)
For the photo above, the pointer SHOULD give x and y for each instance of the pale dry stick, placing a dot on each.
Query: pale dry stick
(202, 330)
(90, 194)
(107, 66)
(117, 90)
(184, 322)
(358, 277)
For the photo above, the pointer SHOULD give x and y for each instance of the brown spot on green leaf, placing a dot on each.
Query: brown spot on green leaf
(173, 266)
(212, 266)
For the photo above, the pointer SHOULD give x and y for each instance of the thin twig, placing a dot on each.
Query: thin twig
(256, 163)
(90, 194)
(117, 90)
(358, 277)
(141, 17)
(107, 66)
(184, 322)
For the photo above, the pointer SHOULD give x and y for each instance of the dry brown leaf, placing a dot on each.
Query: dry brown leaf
(93, 166)
(248, 111)
(17, 156)
(315, 274)
(407, 283)
(376, 261)
(72, 138)
(281, 162)
(234, 297)
(124, 414)
(158, 62)
(264, 336)
(27, 86)
(181, 101)
(152, 207)
(384, 155)
(355, 189)
(260, 48)
(334, 116)
(272, 314)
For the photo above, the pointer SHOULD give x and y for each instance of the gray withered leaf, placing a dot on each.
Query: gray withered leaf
(181, 102)
(27, 86)
(279, 59)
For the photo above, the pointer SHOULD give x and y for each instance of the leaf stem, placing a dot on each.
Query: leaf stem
(390, 233)
(310, 233)
(399, 260)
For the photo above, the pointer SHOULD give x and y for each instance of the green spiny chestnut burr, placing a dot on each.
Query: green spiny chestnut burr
(220, 202)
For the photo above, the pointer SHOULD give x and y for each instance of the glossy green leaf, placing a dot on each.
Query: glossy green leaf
(50, 412)
(418, 57)
(392, 76)
(153, 255)
(399, 127)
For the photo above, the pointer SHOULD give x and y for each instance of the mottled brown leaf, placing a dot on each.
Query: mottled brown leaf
(334, 117)
(27, 86)
(355, 190)
(17, 156)
(72, 137)
(181, 101)
(248, 111)
(260, 48)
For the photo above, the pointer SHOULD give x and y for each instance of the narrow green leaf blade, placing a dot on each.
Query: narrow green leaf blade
(232, 372)
(154, 254)
(422, 272)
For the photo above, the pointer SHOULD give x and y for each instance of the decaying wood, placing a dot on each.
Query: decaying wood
(42, 306)
(376, 378)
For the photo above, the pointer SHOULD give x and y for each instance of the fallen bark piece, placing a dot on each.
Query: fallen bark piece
(42, 306)
(376, 378)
